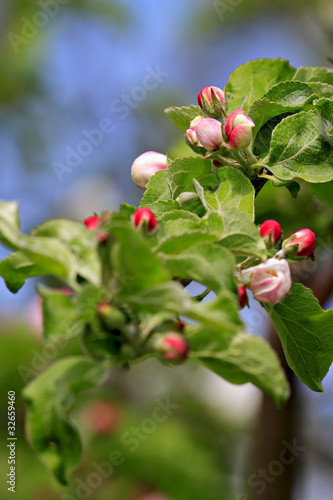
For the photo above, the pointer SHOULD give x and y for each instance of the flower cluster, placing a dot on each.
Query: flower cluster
(270, 281)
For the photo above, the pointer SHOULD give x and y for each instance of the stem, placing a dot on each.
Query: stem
(202, 295)
(252, 159)
(238, 156)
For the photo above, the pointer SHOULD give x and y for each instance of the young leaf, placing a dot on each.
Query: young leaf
(314, 74)
(234, 191)
(299, 148)
(135, 266)
(49, 398)
(240, 359)
(306, 333)
(157, 189)
(206, 263)
(252, 80)
(182, 171)
(9, 223)
(182, 117)
(235, 231)
(79, 240)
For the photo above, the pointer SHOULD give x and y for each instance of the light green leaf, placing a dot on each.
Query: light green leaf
(16, 268)
(234, 191)
(206, 263)
(9, 223)
(134, 265)
(322, 89)
(157, 189)
(306, 333)
(240, 359)
(49, 398)
(252, 80)
(182, 117)
(81, 242)
(235, 231)
(182, 171)
(220, 314)
(314, 74)
(300, 148)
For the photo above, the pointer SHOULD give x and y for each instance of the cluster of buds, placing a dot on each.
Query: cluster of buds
(146, 165)
(270, 281)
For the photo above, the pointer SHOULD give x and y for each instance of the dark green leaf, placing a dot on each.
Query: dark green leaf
(306, 333)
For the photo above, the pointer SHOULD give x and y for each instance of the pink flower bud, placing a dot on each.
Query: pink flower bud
(211, 100)
(209, 133)
(271, 232)
(146, 165)
(243, 299)
(145, 217)
(173, 347)
(300, 244)
(269, 281)
(92, 222)
(191, 137)
(238, 129)
(103, 417)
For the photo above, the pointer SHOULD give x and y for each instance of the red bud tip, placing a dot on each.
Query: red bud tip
(174, 347)
(271, 231)
(92, 222)
(243, 299)
(145, 217)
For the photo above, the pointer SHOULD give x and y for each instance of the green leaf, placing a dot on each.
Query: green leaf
(9, 223)
(177, 243)
(206, 263)
(135, 266)
(16, 268)
(81, 242)
(157, 189)
(182, 117)
(252, 80)
(49, 398)
(234, 191)
(284, 97)
(314, 74)
(220, 314)
(182, 171)
(306, 333)
(264, 136)
(299, 148)
(240, 359)
(235, 231)
(322, 89)
(59, 313)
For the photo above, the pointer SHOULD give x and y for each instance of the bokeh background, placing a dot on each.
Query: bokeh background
(66, 67)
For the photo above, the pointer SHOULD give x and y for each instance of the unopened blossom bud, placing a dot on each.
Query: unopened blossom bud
(111, 315)
(186, 196)
(146, 165)
(173, 347)
(92, 222)
(271, 232)
(269, 281)
(211, 100)
(300, 244)
(243, 299)
(144, 217)
(190, 134)
(209, 133)
(238, 129)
